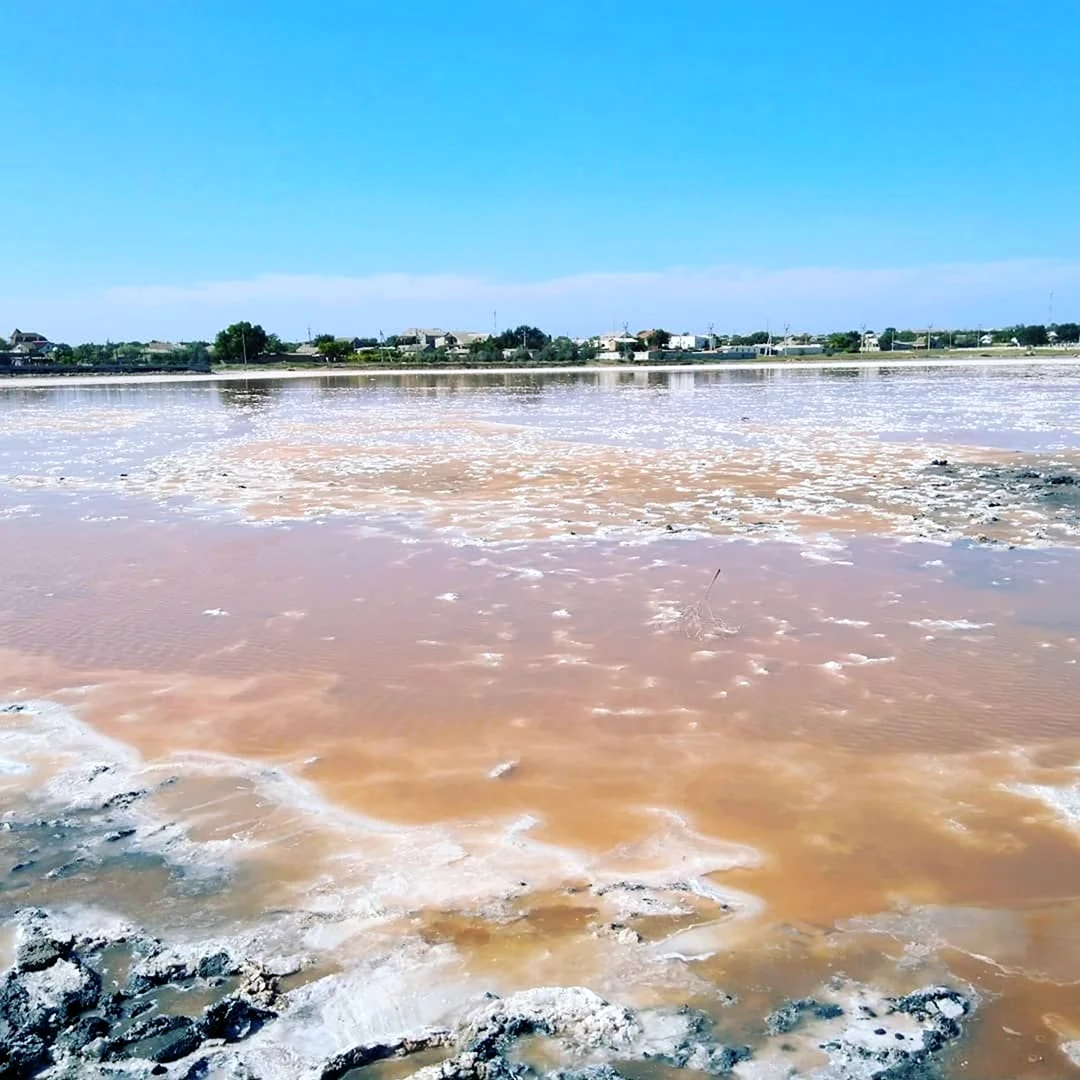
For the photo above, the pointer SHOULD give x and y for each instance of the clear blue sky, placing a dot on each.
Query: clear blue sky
(173, 142)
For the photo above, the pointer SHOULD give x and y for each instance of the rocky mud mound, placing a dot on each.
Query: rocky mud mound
(125, 1005)
(1019, 504)
(73, 1006)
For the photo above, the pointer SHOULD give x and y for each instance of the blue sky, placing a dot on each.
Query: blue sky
(355, 166)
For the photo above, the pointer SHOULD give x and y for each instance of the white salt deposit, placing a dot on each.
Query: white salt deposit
(950, 624)
(1063, 800)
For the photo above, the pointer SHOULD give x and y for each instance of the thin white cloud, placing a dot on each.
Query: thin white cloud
(731, 297)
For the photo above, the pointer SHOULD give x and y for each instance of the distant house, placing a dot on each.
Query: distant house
(611, 343)
(870, 342)
(986, 339)
(433, 338)
(436, 338)
(161, 347)
(465, 338)
(29, 343)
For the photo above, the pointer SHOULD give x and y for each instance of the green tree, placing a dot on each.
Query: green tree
(1067, 332)
(239, 342)
(485, 352)
(844, 341)
(529, 337)
(560, 350)
(657, 339)
(886, 338)
(1031, 335)
(192, 354)
(334, 349)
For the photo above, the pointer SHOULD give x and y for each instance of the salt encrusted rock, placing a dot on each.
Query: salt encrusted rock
(578, 1017)
(791, 1014)
(56, 1024)
(898, 1038)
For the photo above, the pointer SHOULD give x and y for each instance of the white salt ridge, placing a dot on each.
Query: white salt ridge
(382, 867)
(1063, 800)
(949, 624)
(215, 612)
(449, 597)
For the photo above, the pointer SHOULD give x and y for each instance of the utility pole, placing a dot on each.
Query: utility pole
(243, 345)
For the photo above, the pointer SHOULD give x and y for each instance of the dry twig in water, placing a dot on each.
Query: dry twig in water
(699, 621)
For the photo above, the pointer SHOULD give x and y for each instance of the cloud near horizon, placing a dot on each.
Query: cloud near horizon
(734, 299)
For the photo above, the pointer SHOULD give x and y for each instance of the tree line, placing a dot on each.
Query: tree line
(531, 344)
(246, 342)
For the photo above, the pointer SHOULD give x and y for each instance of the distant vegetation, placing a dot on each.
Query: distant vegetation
(249, 343)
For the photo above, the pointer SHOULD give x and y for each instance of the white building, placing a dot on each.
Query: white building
(791, 348)
(690, 342)
(610, 343)
(870, 342)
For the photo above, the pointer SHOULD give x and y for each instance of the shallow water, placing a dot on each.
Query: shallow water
(421, 682)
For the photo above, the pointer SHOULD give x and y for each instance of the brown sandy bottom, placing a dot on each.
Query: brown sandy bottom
(453, 769)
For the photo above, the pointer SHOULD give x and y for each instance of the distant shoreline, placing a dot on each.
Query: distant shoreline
(341, 371)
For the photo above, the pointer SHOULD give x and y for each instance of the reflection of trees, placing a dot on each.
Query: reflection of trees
(249, 393)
